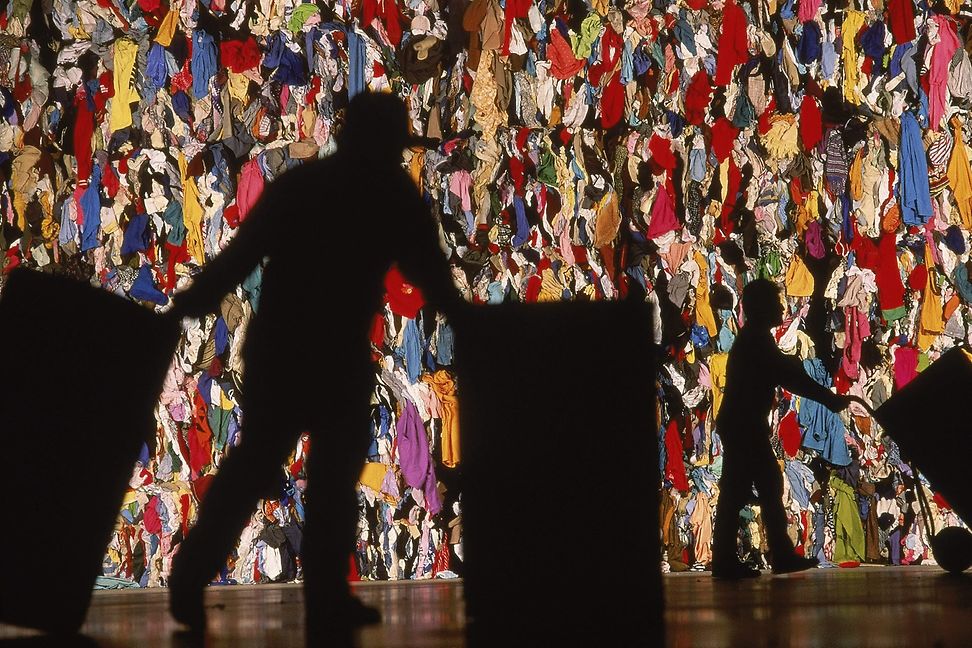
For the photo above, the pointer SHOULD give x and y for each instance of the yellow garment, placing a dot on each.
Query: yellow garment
(445, 388)
(483, 98)
(608, 220)
(931, 321)
(488, 154)
(960, 177)
(855, 176)
(415, 167)
(566, 187)
(79, 33)
(853, 21)
(21, 179)
(703, 309)
(551, 289)
(192, 213)
(373, 475)
(167, 29)
(238, 84)
(808, 212)
(799, 281)
(50, 228)
(701, 521)
(129, 498)
(783, 138)
(717, 372)
(308, 120)
(224, 402)
(125, 52)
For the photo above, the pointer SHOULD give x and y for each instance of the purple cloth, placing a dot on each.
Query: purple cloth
(814, 240)
(414, 457)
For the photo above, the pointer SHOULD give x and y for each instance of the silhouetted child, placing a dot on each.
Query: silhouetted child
(330, 229)
(756, 367)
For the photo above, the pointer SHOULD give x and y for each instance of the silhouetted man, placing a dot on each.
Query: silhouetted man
(330, 229)
(756, 366)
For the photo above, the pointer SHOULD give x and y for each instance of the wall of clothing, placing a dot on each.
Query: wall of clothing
(585, 146)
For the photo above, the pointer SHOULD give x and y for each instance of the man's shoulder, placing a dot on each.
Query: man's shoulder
(754, 345)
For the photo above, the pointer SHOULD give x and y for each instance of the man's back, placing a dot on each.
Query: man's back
(335, 231)
(331, 228)
(752, 374)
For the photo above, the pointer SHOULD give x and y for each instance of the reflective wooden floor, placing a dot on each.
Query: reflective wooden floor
(858, 608)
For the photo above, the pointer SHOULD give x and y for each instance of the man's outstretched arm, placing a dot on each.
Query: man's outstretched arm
(234, 263)
(421, 258)
(792, 377)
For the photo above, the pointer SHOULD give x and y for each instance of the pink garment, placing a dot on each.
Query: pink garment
(566, 248)
(663, 218)
(905, 366)
(675, 257)
(930, 243)
(856, 329)
(459, 183)
(250, 187)
(814, 240)
(389, 485)
(808, 10)
(938, 75)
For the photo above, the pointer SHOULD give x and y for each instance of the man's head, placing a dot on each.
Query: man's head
(761, 304)
(376, 125)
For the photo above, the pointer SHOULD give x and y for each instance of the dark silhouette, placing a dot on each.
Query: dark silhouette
(560, 475)
(331, 229)
(756, 366)
(70, 407)
(930, 426)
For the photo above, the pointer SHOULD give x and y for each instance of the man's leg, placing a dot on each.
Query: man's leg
(735, 487)
(334, 463)
(769, 487)
(247, 475)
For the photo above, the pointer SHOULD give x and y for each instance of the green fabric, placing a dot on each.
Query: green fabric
(923, 361)
(547, 169)
(893, 314)
(20, 8)
(849, 543)
(301, 14)
(745, 114)
(177, 228)
(219, 420)
(770, 265)
(583, 43)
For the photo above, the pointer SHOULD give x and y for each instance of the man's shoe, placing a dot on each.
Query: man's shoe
(794, 563)
(360, 614)
(186, 603)
(347, 612)
(186, 594)
(734, 571)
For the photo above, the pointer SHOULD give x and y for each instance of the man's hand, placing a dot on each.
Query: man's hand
(840, 402)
